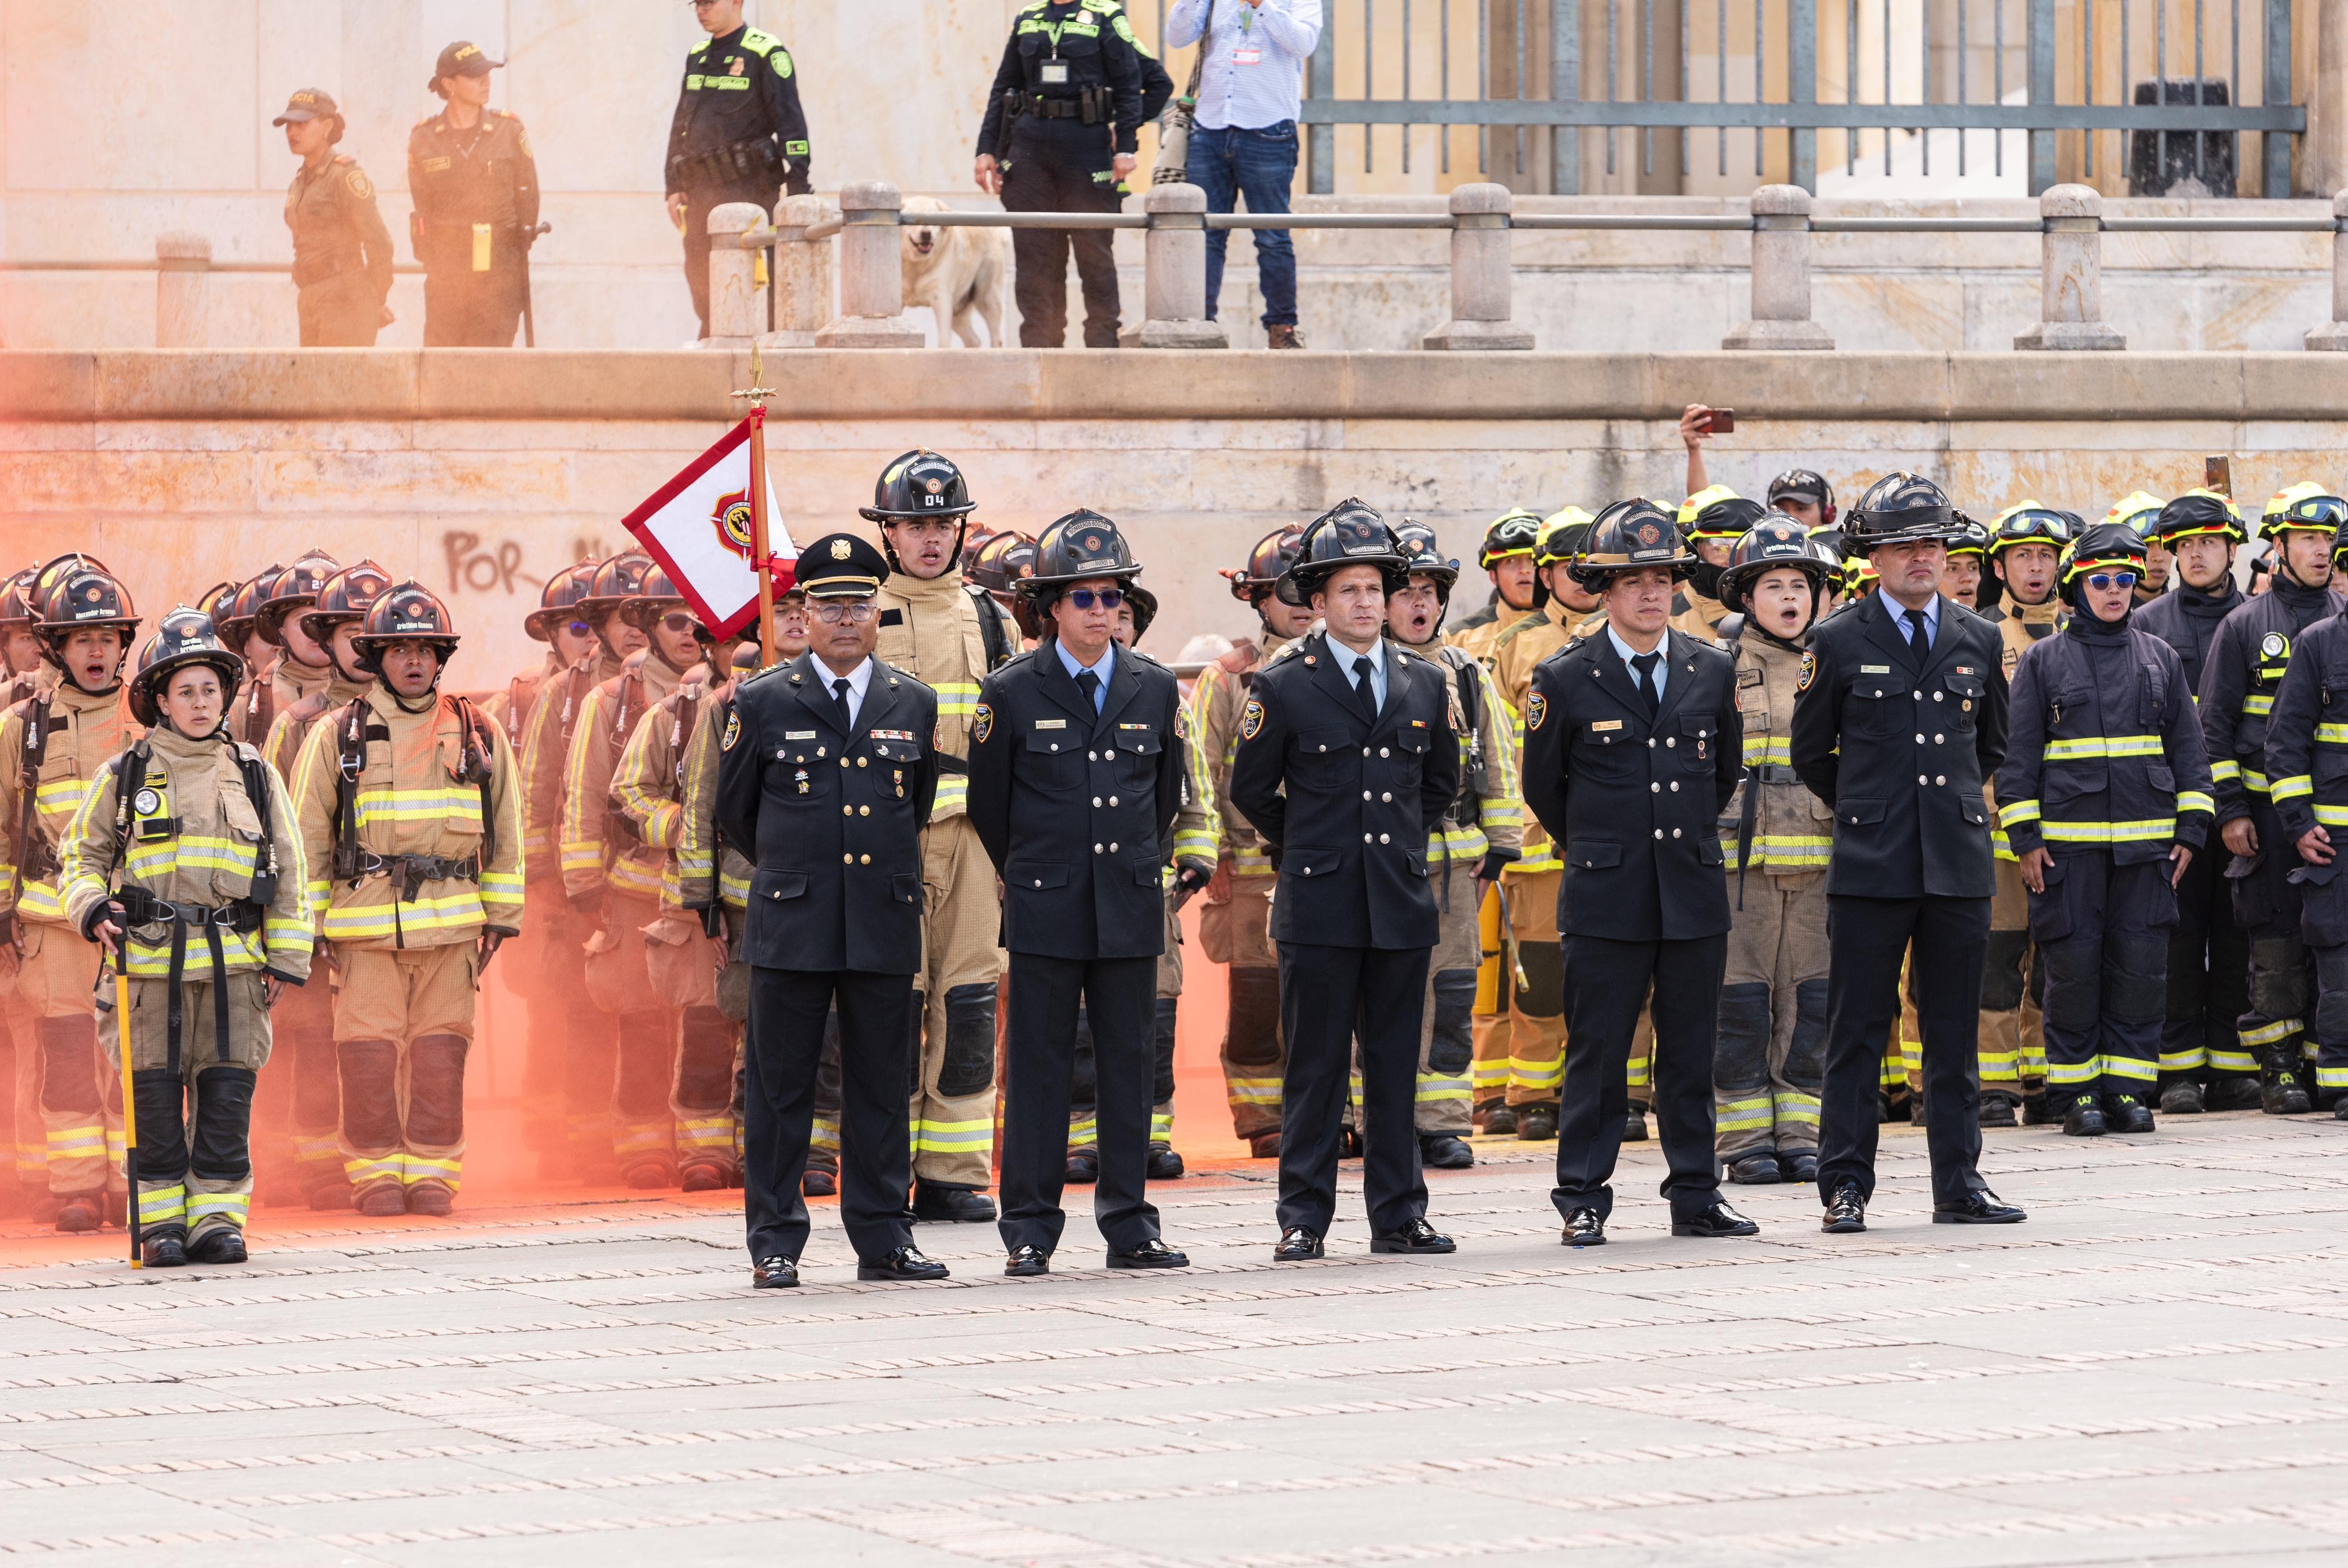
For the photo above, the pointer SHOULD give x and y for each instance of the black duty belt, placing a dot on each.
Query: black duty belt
(143, 908)
(415, 870)
(1774, 773)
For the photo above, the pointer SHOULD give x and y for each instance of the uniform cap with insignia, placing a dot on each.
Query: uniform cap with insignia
(308, 104)
(461, 59)
(841, 566)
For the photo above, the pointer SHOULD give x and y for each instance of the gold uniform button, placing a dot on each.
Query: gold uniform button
(863, 762)
(864, 860)
(848, 860)
(848, 810)
(866, 811)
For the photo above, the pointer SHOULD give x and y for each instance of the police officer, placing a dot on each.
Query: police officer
(1481, 834)
(948, 635)
(2105, 794)
(1631, 749)
(342, 252)
(411, 812)
(1347, 734)
(475, 189)
(1506, 557)
(738, 132)
(2202, 1064)
(824, 931)
(187, 867)
(2254, 649)
(1235, 926)
(1062, 128)
(1900, 714)
(1079, 718)
(1771, 1056)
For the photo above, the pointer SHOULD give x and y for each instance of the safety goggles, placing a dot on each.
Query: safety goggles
(859, 613)
(2316, 511)
(1085, 598)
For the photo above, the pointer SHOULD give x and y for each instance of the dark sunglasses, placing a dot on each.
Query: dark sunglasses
(579, 628)
(677, 621)
(2105, 580)
(1085, 598)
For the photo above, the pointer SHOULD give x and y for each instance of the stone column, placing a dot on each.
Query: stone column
(803, 272)
(183, 263)
(1175, 275)
(2324, 156)
(738, 305)
(1480, 275)
(871, 273)
(1781, 275)
(2333, 335)
(2071, 308)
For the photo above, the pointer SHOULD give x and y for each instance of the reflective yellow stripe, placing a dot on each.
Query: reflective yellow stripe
(202, 1206)
(2280, 1029)
(2225, 772)
(957, 699)
(2194, 800)
(1766, 748)
(2087, 747)
(2108, 832)
(2184, 1061)
(2258, 704)
(2256, 783)
(2332, 734)
(2293, 788)
(2332, 816)
(359, 923)
(163, 1205)
(2226, 1061)
(953, 794)
(2020, 812)
(1793, 853)
(953, 1136)
(1793, 1105)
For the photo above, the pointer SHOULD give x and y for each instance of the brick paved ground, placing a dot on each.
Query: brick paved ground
(2150, 1370)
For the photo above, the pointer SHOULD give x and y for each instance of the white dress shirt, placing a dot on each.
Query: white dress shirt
(1255, 63)
(860, 680)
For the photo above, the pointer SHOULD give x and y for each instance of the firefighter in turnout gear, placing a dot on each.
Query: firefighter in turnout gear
(2307, 761)
(23, 1163)
(1235, 928)
(184, 862)
(303, 1024)
(2256, 646)
(2105, 795)
(2026, 552)
(2202, 1064)
(610, 867)
(738, 134)
(1712, 521)
(256, 705)
(647, 800)
(1506, 557)
(587, 1038)
(1482, 832)
(1770, 1057)
(300, 667)
(476, 217)
(52, 748)
(411, 828)
(948, 635)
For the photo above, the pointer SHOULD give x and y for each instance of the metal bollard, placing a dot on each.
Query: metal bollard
(1480, 275)
(738, 305)
(1781, 275)
(871, 273)
(803, 272)
(2071, 306)
(1175, 272)
(2333, 335)
(183, 264)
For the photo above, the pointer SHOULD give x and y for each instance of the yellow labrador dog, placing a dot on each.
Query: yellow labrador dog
(958, 272)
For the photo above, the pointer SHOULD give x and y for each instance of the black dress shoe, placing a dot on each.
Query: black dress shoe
(2231, 1093)
(1084, 1169)
(1164, 1164)
(819, 1183)
(221, 1245)
(1535, 1123)
(1265, 1146)
(960, 1205)
(1756, 1170)
(2181, 1100)
(164, 1252)
(1584, 1228)
(904, 1264)
(1799, 1167)
(1445, 1153)
(1846, 1212)
(1026, 1263)
(1152, 1254)
(1297, 1245)
(1418, 1236)
(775, 1274)
(1720, 1220)
(2084, 1120)
(1980, 1208)
(1634, 1126)
(1997, 1109)
(1501, 1121)
(2125, 1113)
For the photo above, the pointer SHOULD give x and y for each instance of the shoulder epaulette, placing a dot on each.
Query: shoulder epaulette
(760, 44)
(345, 158)
(1285, 650)
(1145, 658)
(755, 677)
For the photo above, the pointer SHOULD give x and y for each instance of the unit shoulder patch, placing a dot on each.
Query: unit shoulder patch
(358, 184)
(1250, 719)
(1536, 710)
(982, 724)
(1809, 670)
(733, 732)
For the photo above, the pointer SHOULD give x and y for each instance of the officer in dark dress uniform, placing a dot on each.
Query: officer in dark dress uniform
(1062, 128)
(738, 134)
(1632, 750)
(475, 189)
(1901, 714)
(1079, 720)
(1347, 759)
(825, 778)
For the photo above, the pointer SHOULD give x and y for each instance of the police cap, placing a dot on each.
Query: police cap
(841, 566)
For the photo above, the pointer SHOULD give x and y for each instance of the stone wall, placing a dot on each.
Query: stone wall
(481, 472)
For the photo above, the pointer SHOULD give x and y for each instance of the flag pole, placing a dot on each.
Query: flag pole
(757, 394)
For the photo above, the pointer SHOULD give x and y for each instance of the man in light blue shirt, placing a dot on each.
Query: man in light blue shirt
(1243, 143)
(1101, 671)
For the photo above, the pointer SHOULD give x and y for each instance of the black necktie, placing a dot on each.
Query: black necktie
(1362, 685)
(1920, 638)
(839, 695)
(1089, 684)
(1645, 664)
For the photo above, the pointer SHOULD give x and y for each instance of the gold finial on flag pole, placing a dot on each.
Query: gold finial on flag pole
(757, 394)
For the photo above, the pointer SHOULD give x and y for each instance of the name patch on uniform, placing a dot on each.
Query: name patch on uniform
(1250, 719)
(799, 735)
(1606, 726)
(1536, 710)
(983, 724)
(1809, 671)
(905, 735)
(1875, 669)
(733, 732)
(1051, 724)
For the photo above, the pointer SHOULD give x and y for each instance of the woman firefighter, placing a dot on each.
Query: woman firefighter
(183, 864)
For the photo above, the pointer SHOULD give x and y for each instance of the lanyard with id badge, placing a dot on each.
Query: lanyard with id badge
(1247, 51)
(1054, 72)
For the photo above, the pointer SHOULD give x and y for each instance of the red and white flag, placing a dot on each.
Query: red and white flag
(698, 526)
